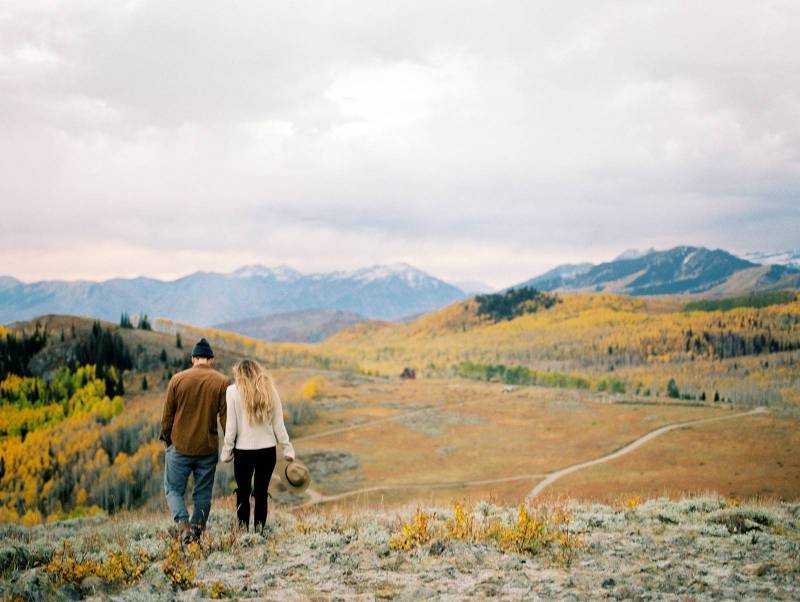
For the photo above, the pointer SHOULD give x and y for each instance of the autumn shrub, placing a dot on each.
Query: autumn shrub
(413, 533)
(527, 534)
(119, 567)
(218, 590)
(301, 412)
(179, 567)
(632, 502)
(313, 388)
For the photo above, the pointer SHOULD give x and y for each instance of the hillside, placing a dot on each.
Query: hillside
(592, 373)
(749, 355)
(387, 292)
(681, 270)
(79, 416)
(696, 548)
(305, 326)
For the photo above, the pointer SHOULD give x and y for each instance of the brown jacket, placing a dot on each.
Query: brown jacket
(195, 398)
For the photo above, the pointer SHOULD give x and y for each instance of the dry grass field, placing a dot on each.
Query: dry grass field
(436, 440)
(754, 457)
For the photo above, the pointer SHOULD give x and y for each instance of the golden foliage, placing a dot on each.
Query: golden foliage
(412, 534)
(632, 503)
(178, 566)
(120, 567)
(313, 388)
(527, 535)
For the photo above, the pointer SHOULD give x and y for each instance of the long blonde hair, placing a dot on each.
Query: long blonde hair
(255, 388)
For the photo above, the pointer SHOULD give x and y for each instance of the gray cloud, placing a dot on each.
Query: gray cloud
(472, 139)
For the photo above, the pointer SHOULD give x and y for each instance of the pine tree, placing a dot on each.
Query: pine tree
(163, 356)
(144, 383)
(178, 342)
(672, 389)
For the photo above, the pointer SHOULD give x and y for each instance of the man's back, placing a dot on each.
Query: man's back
(195, 399)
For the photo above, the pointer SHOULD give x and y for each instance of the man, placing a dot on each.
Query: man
(195, 398)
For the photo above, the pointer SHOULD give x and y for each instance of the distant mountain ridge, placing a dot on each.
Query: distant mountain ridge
(788, 258)
(302, 326)
(681, 270)
(386, 292)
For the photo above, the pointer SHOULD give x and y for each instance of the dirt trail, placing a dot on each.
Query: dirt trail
(317, 497)
(353, 427)
(320, 498)
(554, 476)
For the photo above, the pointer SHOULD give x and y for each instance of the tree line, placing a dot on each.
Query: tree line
(514, 303)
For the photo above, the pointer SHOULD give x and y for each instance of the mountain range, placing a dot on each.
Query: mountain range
(387, 292)
(248, 299)
(681, 270)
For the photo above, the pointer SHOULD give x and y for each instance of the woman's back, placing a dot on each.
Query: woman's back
(241, 434)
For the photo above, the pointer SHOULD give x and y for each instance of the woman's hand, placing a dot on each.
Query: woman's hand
(228, 459)
(289, 458)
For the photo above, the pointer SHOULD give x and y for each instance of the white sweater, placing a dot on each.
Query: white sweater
(239, 433)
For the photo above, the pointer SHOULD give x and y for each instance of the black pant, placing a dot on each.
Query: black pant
(245, 463)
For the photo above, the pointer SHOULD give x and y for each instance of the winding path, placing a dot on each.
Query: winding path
(317, 497)
(554, 476)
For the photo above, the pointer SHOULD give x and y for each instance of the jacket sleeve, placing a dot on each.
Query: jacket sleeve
(230, 427)
(222, 406)
(168, 417)
(279, 427)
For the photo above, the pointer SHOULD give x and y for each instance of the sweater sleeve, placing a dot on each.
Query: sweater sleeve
(279, 428)
(230, 426)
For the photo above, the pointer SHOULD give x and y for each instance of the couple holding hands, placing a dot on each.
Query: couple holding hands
(251, 416)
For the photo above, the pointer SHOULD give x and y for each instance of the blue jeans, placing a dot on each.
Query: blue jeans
(177, 469)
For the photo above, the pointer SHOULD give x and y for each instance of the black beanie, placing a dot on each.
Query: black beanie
(202, 349)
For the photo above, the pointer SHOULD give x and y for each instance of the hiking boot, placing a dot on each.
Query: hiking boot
(186, 534)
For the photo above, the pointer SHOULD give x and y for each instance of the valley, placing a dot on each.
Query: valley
(497, 406)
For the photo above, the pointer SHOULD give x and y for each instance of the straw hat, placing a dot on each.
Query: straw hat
(295, 476)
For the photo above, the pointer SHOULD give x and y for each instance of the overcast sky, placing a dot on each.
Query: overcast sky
(486, 140)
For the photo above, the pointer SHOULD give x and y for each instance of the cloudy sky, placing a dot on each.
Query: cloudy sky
(473, 139)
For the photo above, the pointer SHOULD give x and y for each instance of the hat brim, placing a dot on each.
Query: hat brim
(291, 486)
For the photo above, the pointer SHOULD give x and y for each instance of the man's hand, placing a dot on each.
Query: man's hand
(289, 459)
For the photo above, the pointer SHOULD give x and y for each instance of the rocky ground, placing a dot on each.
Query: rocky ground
(693, 549)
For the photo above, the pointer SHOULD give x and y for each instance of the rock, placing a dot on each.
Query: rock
(92, 584)
(191, 594)
(437, 547)
(68, 592)
(609, 583)
(384, 551)
(33, 585)
(739, 523)
(154, 575)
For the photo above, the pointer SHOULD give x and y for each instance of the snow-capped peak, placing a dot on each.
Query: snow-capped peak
(633, 254)
(401, 270)
(378, 272)
(788, 258)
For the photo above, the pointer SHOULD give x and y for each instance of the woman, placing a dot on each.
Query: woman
(253, 429)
